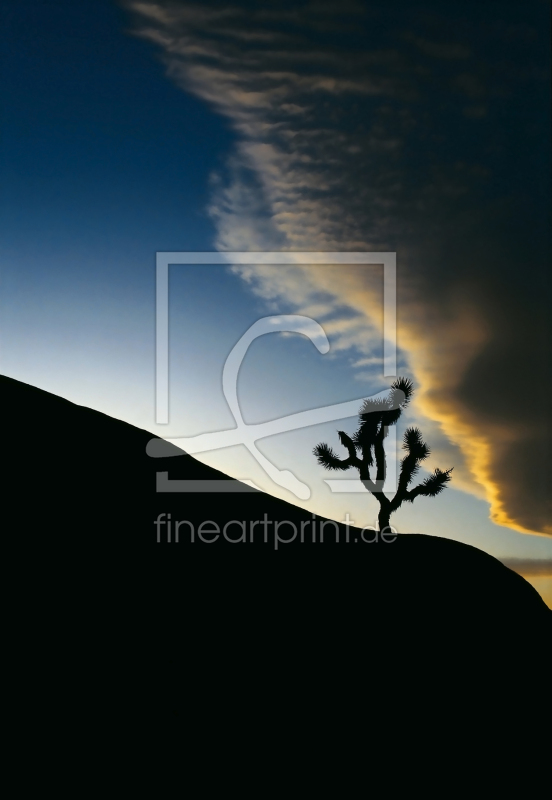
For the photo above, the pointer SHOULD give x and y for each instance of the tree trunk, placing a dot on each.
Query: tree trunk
(383, 519)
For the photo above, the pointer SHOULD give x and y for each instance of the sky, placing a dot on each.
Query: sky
(132, 128)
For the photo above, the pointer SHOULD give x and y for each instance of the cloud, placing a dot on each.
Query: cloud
(530, 566)
(446, 50)
(371, 127)
(536, 572)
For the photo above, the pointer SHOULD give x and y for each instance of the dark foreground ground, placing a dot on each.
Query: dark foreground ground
(251, 664)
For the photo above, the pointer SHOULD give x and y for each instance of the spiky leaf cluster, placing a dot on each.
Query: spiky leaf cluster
(328, 458)
(417, 451)
(435, 483)
(378, 414)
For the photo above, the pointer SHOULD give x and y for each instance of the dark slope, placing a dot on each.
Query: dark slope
(77, 477)
(422, 627)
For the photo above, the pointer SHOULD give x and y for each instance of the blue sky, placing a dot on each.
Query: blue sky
(143, 127)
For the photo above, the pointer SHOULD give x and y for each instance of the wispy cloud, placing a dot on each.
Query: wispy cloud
(357, 132)
(448, 50)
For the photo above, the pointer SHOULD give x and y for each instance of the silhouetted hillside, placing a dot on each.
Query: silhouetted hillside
(427, 626)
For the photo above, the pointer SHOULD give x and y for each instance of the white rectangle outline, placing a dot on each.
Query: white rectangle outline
(165, 259)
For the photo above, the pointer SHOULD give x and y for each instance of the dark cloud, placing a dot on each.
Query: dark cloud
(421, 128)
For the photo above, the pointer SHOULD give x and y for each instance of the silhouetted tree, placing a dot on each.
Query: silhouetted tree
(366, 452)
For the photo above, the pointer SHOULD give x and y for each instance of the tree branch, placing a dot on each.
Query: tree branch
(379, 454)
(432, 486)
(353, 459)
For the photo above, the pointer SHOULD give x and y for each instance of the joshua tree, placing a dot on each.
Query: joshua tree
(375, 417)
